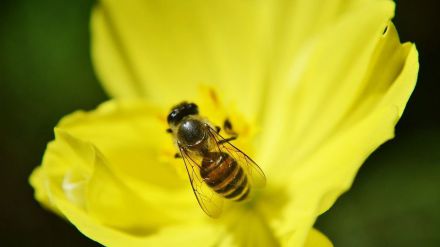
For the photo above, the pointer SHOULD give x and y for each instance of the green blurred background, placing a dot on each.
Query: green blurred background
(46, 73)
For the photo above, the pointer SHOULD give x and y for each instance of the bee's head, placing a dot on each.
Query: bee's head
(180, 111)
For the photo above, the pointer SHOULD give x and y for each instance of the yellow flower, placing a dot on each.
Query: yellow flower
(312, 88)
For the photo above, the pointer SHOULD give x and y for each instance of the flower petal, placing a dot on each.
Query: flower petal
(317, 239)
(131, 134)
(345, 95)
(174, 235)
(374, 133)
(164, 49)
(325, 82)
(248, 228)
(112, 194)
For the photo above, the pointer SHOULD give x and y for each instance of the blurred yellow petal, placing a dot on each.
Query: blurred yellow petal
(330, 170)
(234, 46)
(249, 229)
(115, 67)
(341, 110)
(300, 22)
(324, 83)
(317, 239)
(129, 195)
(173, 235)
(376, 132)
(127, 134)
(38, 181)
(164, 49)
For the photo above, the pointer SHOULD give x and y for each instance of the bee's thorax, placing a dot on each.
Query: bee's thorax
(191, 132)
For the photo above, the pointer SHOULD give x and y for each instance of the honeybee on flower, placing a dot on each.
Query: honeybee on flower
(311, 87)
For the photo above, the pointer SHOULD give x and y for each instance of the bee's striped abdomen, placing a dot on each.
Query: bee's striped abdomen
(222, 173)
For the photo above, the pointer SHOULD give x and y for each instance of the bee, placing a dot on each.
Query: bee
(217, 170)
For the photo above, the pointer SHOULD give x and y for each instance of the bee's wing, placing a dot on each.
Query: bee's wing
(208, 200)
(255, 174)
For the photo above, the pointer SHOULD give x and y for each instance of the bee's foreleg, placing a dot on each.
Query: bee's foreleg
(169, 130)
(227, 139)
(227, 126)
(177, 156)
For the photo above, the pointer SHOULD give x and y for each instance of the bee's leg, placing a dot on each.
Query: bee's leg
(227, 139)
(217, 129)
(169, 130)
(227, 126)
(177, 156)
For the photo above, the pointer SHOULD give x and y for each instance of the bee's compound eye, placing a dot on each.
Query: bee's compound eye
(172, 117)
(191, 132)
(180, 111)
